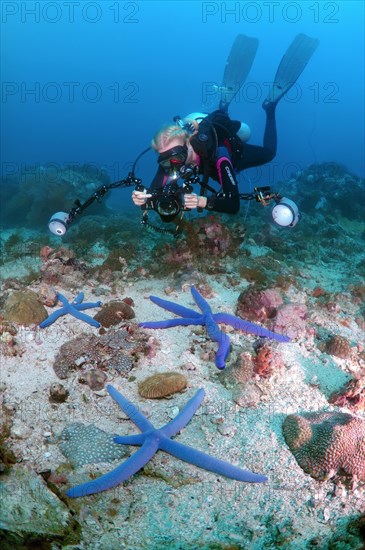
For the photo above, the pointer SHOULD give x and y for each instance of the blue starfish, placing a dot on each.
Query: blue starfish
(73, 308)
(210, 320)
(151, 440)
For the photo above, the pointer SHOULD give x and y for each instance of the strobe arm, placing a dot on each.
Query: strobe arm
(59, 222)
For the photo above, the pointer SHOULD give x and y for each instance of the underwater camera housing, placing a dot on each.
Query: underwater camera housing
(167, 202)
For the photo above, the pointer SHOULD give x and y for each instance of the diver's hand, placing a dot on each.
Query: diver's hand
(140, 197)
(194, 201)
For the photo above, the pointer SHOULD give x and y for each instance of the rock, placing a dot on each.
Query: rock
(113, 313)
(95, 379)
(20, 430)
(47, 295)
(24, 308)
(58, 393)
(29, 511)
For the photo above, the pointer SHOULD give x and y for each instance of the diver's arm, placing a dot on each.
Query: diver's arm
(227, 200)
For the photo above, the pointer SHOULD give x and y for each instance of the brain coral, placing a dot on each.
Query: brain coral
(326, 443)
(338, 346)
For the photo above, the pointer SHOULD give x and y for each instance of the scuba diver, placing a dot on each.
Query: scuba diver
(203, 146)
(214, 146)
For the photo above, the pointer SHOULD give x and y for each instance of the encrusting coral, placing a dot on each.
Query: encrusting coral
(327, 443)
(82, 444)
(117, 350)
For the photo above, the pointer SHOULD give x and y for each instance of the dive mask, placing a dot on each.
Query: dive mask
(175, 155)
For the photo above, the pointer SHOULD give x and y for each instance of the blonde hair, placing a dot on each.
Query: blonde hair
(168, 133)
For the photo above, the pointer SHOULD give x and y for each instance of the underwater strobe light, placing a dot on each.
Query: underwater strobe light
(58, 223)
(285, 213)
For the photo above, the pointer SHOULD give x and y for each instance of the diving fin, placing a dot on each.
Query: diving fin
(291, 67)
(238, 66)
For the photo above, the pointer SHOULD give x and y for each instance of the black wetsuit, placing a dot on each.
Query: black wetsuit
(221, 154)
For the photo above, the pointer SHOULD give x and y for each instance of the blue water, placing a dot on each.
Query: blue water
(91, 82)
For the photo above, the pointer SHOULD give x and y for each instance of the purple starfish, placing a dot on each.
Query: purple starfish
(151, 440)
(210, 321)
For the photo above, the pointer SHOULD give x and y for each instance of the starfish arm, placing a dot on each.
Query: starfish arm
(130, 410)
(246, 326)
(175, 308)
(78, 299)
(87, 305)
(223, 351)
(52, 318)
(130, 439)
(62, 299)
(119, 474)
(200, 301)
(180, 421)
(213, 329)
(223, 340)
(83, 317)
(203, 460)
(168, 323)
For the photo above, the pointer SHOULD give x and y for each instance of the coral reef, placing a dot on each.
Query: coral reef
(24, 308)
(162, 384)
(62, 267)
(37, 192)
(82, 444)
(202, 245)
(325, 186)
(327, 443)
